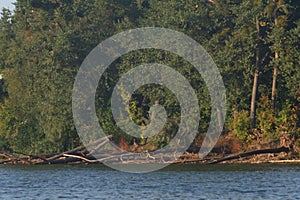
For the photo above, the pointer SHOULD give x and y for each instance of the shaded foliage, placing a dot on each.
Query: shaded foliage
(43, 44)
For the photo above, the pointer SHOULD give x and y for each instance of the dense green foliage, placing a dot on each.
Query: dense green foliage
(43, 44)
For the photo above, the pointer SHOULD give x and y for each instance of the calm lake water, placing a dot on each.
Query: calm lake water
(175, 182)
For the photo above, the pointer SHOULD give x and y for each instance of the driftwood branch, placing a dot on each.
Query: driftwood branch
(80, 157)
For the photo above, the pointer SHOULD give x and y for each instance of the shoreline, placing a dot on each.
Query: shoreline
(280, 155)
(95, 153)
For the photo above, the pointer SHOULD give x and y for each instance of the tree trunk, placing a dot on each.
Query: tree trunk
(255, 81)
(275, 72)
(253, 99)
(220, 119)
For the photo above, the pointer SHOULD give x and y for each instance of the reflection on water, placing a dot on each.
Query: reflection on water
(175, 182)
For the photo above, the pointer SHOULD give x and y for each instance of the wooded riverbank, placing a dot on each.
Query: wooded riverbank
(80, 155)
(44, 43)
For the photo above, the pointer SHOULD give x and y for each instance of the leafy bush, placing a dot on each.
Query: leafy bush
(240, 124)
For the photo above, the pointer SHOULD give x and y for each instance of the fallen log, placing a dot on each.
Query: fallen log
(15, 160)
(61, 154)
(9, 158)
(61, 160)
(251, 153)
(78, 149)
(98, 147)
(81, 158)
(5, 161)
(79, 154)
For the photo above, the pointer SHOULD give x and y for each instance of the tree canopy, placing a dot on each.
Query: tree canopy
(254, 43)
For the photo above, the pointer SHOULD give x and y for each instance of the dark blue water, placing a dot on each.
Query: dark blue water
(175, 182)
